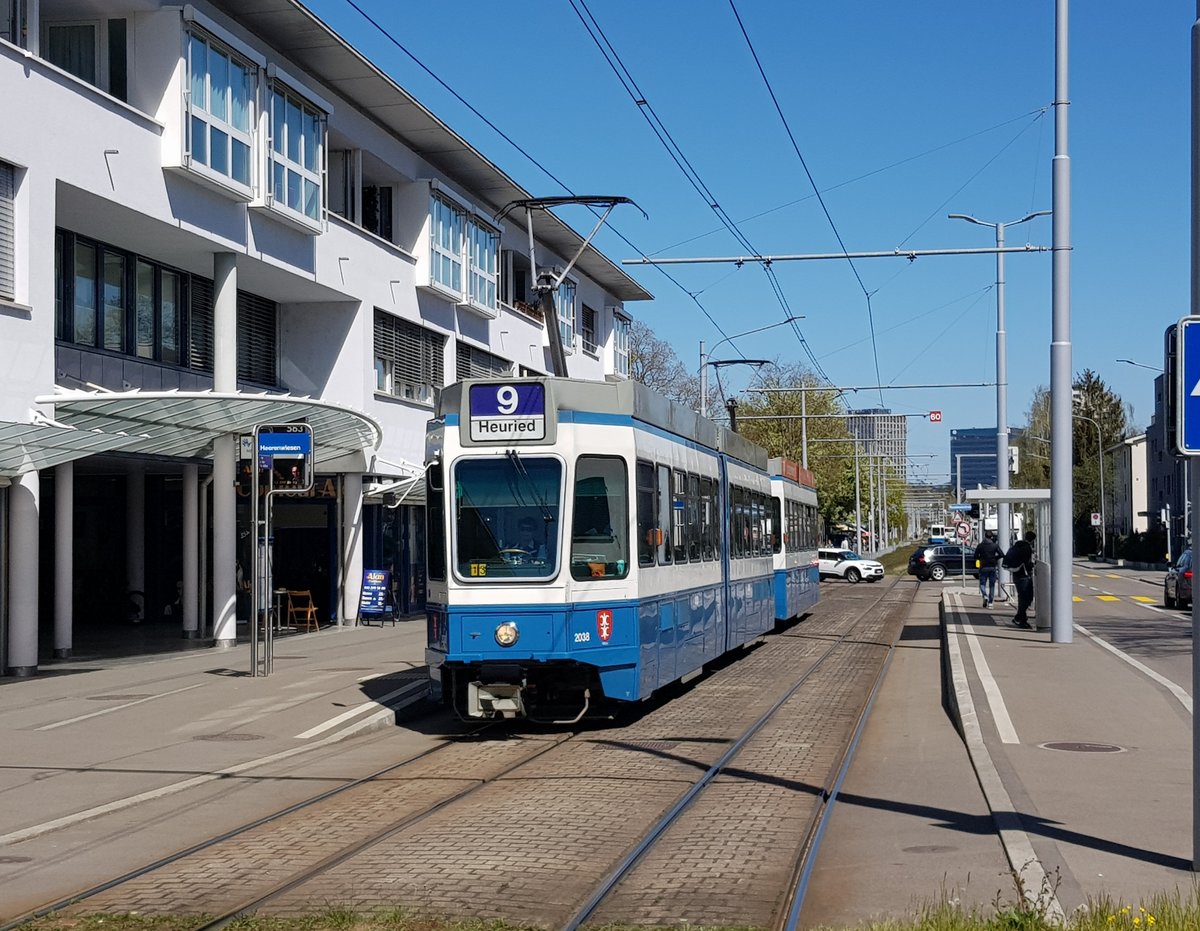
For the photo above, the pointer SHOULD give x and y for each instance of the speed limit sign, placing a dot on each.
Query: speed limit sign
(964, 530)
(935, 416)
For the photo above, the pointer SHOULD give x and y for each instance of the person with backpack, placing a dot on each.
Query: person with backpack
(988, 555)
(1019, 560)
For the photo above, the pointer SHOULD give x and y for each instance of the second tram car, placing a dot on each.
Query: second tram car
(590, 543)
(796, 534)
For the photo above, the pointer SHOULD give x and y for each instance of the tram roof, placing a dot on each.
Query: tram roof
(634, 400)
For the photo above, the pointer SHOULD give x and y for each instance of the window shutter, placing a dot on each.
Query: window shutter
(200, 324)
(413, 353)
(257, 340)
(475, 363)
(8, 235)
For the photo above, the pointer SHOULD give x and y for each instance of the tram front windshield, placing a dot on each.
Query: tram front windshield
(506, 513)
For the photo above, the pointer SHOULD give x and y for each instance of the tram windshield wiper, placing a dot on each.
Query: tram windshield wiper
(527, 481)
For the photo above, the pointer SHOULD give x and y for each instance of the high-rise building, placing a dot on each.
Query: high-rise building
(973, 456)
(884, 434)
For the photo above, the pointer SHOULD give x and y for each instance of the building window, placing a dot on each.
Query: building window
(587, 330)
(297, 141)
(409, 359)
(75, 47)
(8, 232)
(219, 110)
(445, 244)
(482, 245)
(377, 210)
(115, 296)
(475, 363)
(621, 328)
(157, 313)
(564, 303)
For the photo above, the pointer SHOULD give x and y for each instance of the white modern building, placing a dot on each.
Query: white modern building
(1130, 491)
(217, 215)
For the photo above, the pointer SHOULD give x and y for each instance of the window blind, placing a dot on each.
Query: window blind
(8, 232)
(413, 353)
(475, 363)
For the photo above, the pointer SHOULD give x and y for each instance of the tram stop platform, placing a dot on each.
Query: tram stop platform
(1073, 771)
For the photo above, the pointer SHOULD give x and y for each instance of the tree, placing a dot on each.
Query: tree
(1100, 420)
(831, 448)
(653, 362)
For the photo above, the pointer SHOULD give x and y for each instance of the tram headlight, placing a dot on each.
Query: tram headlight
(507, 634)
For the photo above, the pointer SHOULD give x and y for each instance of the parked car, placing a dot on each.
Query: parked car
(937, 562)
(848, 565)
(1177, 586)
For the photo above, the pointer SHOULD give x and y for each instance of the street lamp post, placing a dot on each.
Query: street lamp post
(704, 356)
(1002, 509)
(1100, 456)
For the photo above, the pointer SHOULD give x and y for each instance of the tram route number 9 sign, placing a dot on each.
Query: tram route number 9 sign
(503, 413)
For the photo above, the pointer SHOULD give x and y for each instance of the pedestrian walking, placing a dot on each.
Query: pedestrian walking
(1020, 560)
(988, 555)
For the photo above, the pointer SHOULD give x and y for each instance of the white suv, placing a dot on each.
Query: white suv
(848, 565)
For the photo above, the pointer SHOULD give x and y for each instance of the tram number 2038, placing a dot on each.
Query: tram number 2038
(583, 636)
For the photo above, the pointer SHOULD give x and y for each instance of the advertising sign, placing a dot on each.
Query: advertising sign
(375, 588)
(504, 413)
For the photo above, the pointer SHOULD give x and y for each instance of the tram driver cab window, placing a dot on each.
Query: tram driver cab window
(506, 517)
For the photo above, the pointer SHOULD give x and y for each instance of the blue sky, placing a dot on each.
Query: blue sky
(902, 113)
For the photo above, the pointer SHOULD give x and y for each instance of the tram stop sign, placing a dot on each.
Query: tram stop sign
(284, 453)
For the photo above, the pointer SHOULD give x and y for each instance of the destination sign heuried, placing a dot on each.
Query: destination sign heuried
(503, 413)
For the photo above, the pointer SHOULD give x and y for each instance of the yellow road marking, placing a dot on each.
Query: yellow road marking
(1144, 600)
(1108, 598)
(1076, 598)
(1111, 575)
(1093, 575)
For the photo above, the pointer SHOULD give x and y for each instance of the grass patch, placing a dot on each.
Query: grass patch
(895, 562)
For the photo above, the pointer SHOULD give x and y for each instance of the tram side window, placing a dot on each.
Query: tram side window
(758, 534)
(708, 518)
(679, 523)
(435, 522)
(776, 524)
(647, 525)
(735, 536)
(695, 532)
(663, 493)
(600, 529)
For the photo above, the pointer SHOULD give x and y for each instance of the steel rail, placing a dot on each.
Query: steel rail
(631, 859)
(802, 876)
(93, 891)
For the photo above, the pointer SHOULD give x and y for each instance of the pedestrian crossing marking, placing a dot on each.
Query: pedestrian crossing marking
(1076, 598)
(1144, 600)
(1108, 598)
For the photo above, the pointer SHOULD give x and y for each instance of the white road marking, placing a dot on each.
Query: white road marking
(1004, 724)
(1181, 694)
(112, 708)
(364, 707)
(46, 827)
(1017, 846)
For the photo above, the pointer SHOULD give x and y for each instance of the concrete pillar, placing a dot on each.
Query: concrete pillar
(224, 568)
(189, 602)
(23, 575)
(135, 542)
(352, 547)
(64, 559)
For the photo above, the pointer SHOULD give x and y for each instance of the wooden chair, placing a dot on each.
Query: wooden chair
(302, 613)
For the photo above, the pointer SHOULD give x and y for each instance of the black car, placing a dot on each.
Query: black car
(939, 560)
(1177, 586)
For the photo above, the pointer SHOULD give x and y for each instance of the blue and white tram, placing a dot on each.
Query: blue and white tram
(794, 519)
(588, 543)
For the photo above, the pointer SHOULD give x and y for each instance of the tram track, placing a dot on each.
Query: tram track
(785, 915)
(361, 844)
(88, 899)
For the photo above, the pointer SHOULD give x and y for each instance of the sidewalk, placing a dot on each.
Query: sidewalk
(1083, 754)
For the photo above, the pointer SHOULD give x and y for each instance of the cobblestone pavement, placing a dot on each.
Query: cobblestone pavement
(530, 846)
(533, 846)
